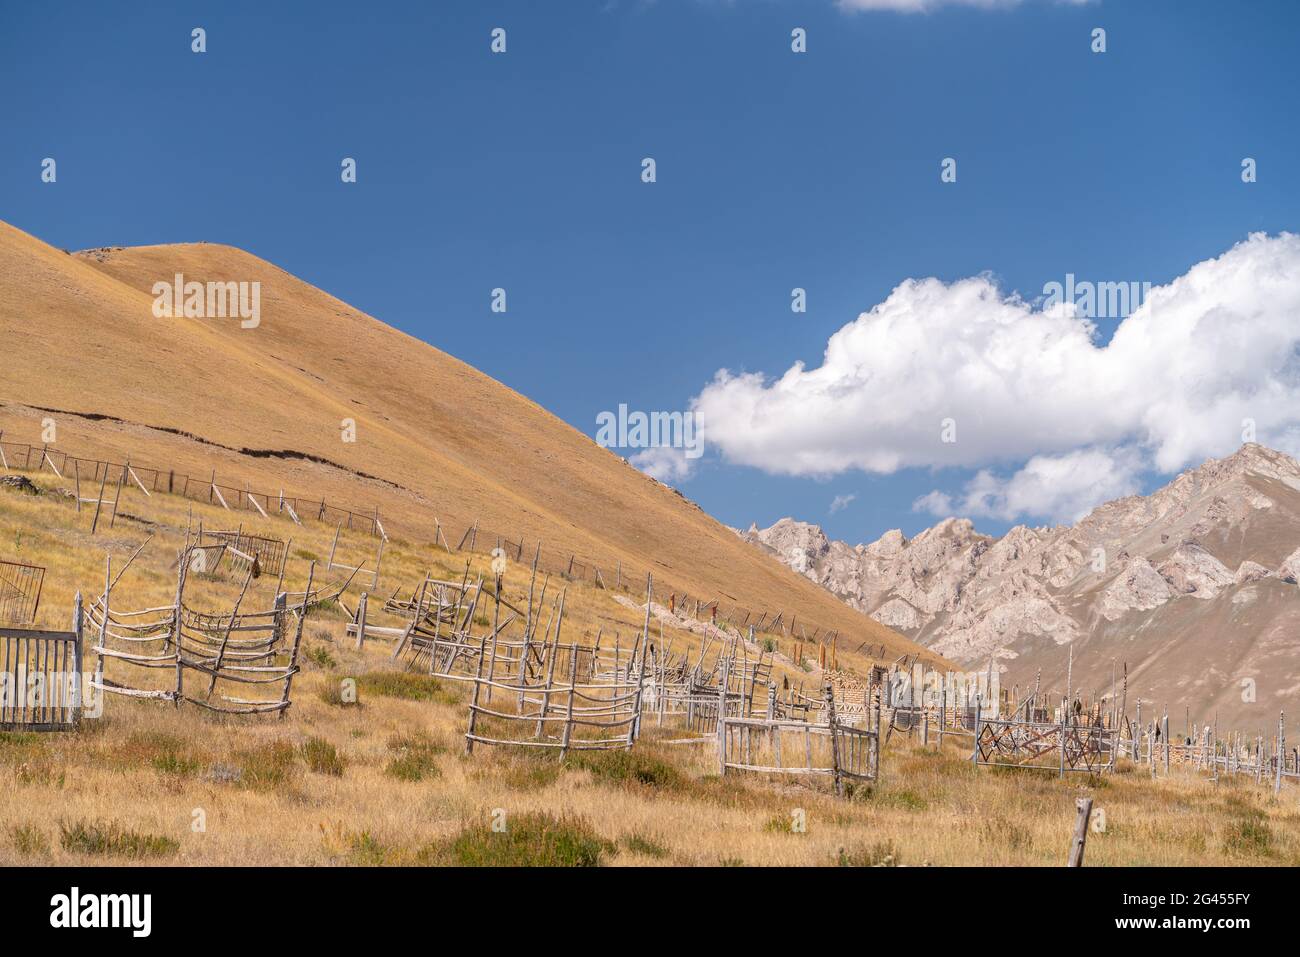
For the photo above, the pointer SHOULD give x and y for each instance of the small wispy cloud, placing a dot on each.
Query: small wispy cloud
(1061, 488)
(664, 463)
(841, 502)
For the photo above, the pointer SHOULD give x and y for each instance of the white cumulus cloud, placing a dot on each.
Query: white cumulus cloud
(1061, 488)
(1008, 383)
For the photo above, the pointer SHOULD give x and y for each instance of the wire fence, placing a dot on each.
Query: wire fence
(21, 456)
(628, 578)
(611, 574)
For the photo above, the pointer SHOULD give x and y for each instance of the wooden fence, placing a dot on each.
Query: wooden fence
(1062, 746)
(271, 553)
(224, 655)
(615, 575)
(40, 677)
(763, 745)
(207, 488)
(112, 478)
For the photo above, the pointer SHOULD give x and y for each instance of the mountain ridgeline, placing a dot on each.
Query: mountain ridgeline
(1193, 587)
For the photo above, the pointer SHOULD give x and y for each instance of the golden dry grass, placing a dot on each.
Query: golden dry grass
(385, 781)
(434, 436)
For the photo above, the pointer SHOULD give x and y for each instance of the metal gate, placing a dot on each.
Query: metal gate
(20, 592)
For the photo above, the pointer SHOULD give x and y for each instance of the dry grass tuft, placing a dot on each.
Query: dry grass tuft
(108, 838)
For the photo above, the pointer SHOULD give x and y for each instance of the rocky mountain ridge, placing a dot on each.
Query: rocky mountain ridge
(1215, 550)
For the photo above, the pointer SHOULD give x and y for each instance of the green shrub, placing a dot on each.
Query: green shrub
(639, 844)
(110, 838)
(29, 840)
(322, 757)
(407, 686)
(629, 767)
(1248, 836)
(176, 765)
(268, 766)
(529, 840)
(414, 758)
(321, 657)
(365, 851)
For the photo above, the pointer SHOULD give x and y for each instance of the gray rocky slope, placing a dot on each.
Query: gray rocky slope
(1193, 586)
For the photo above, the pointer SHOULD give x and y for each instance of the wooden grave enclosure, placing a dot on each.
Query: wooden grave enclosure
(235, 661)
(41, 677)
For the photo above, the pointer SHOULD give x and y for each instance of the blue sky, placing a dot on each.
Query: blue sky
(775, 170)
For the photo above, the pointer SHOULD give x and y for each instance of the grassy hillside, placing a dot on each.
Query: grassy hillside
(264, 407)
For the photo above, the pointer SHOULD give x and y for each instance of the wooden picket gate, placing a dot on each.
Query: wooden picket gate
(766, 745)
(40, 677)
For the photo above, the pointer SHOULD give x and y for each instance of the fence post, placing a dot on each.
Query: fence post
(829, 694)
(99, 500)
(1065, 709)
(573, 681)
(722, 718)
(1166, 743)
(1281, 753)
(975, 748)
(1084, 807)
(943, 707)
(78, 621)
(361, 619)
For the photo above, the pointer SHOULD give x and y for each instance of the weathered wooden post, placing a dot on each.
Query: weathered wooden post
(1166, 743)
(943, 707)
(99, 500)
(361, 619)
(117, 496)
(722, 717)
(1281, 750)
(78, 622)
(1214, 747)
(1065, 709)
(568, 717)
(1137, 732)
(473, 702)
(829, 694)
(178, 616)
(297, 642)
(879, 708)
(1084, 808)
(975, 748)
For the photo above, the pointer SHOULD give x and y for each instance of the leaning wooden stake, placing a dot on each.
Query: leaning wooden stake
(99, 500)
(297, 642)
(1084, 807)
(117, 496)
(230, 626)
